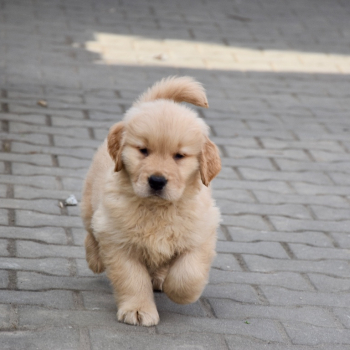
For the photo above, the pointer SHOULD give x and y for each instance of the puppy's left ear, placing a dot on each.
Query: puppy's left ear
(114, 143)
(209, 162)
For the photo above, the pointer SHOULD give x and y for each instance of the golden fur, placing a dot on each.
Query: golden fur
(148, 239)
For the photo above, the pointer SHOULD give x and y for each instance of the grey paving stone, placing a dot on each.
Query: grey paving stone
(260, 329)
(69, 142)
(34, 317)
(25, 118)
(286, 279)
(343, 314)
(108, 339)
(59, 299)
(2, 167)
(29, 218)
(73, 184)
(324, 156)
(35, 181)
(237, 292)
(342, 239)
(27, 192)
(293, 165)
(242, 343)
(82, 267)
(226, 262)
(27, 249)
(233, 195)
(318, 239)
(43, 206)
(38, 159)
(282, 296)
(4, 317)
(26, 169)
(330, 146)
(305, 252)
(329, 284)
(335, 201)
(339, 178)
(258, 163)
(254, 222)
(289, 225)
(84, 153)
(55, 266)
(234, 141)
(3, 190)
(4, 217)
(20, 128)
(36, 281)
(270, 249)
(79, 235)
(273, 186)
(237, 152)
(4, 279)
(310, 189)
(311, 335)
(308, 315)
(3, 247)
(264, 175)
(73, 162)
(53, 338)
(338, 268)
(32, 138)
(99, 301)
(325, 213)
(54, 235)
(227, 173)
(296, 211)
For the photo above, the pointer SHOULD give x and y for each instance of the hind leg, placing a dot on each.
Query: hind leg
(92, 254)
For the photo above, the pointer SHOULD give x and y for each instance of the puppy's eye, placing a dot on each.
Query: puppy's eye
(144, 151)
(178, 156)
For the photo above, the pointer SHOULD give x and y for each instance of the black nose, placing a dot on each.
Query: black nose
(157, 182)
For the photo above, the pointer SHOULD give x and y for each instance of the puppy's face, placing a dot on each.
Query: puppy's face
(162, 148)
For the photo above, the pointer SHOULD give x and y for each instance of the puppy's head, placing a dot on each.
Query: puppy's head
(163, 146)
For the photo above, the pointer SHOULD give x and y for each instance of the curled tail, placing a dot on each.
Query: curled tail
(178, 89)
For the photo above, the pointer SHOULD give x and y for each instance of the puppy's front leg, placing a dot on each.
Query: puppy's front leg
(133, 290)
(188, 275)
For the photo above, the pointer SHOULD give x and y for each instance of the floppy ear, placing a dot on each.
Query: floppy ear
(209, 162)
(114, 144)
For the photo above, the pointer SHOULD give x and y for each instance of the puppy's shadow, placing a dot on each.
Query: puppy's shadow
(164, 304)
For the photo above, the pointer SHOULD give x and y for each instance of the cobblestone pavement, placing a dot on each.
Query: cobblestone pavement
(277, 78)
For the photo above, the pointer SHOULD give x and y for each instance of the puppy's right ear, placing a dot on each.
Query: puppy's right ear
(114, 144)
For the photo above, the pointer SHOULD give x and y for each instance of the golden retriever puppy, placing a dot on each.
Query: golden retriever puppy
(147, 208)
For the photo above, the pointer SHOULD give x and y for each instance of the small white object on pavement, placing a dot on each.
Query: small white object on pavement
(71, 200)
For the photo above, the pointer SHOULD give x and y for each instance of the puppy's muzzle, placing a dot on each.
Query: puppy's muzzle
(157, 183)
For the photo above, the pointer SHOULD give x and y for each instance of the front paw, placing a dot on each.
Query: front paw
(138, 316)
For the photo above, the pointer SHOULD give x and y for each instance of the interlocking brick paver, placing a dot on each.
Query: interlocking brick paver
(37, 250)
(277, 80)
(340, 268)
(318, 239)
(311, 335)
(57, 299)
(107, 339)
(281, 296)
(55, 266)
(309, 315)
(36, 281)
(287, 279)
(54, 338)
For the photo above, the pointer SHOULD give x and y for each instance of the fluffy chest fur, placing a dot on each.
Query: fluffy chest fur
(153, 229)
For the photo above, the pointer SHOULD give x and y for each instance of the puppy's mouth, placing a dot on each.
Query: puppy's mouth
(157, 193)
